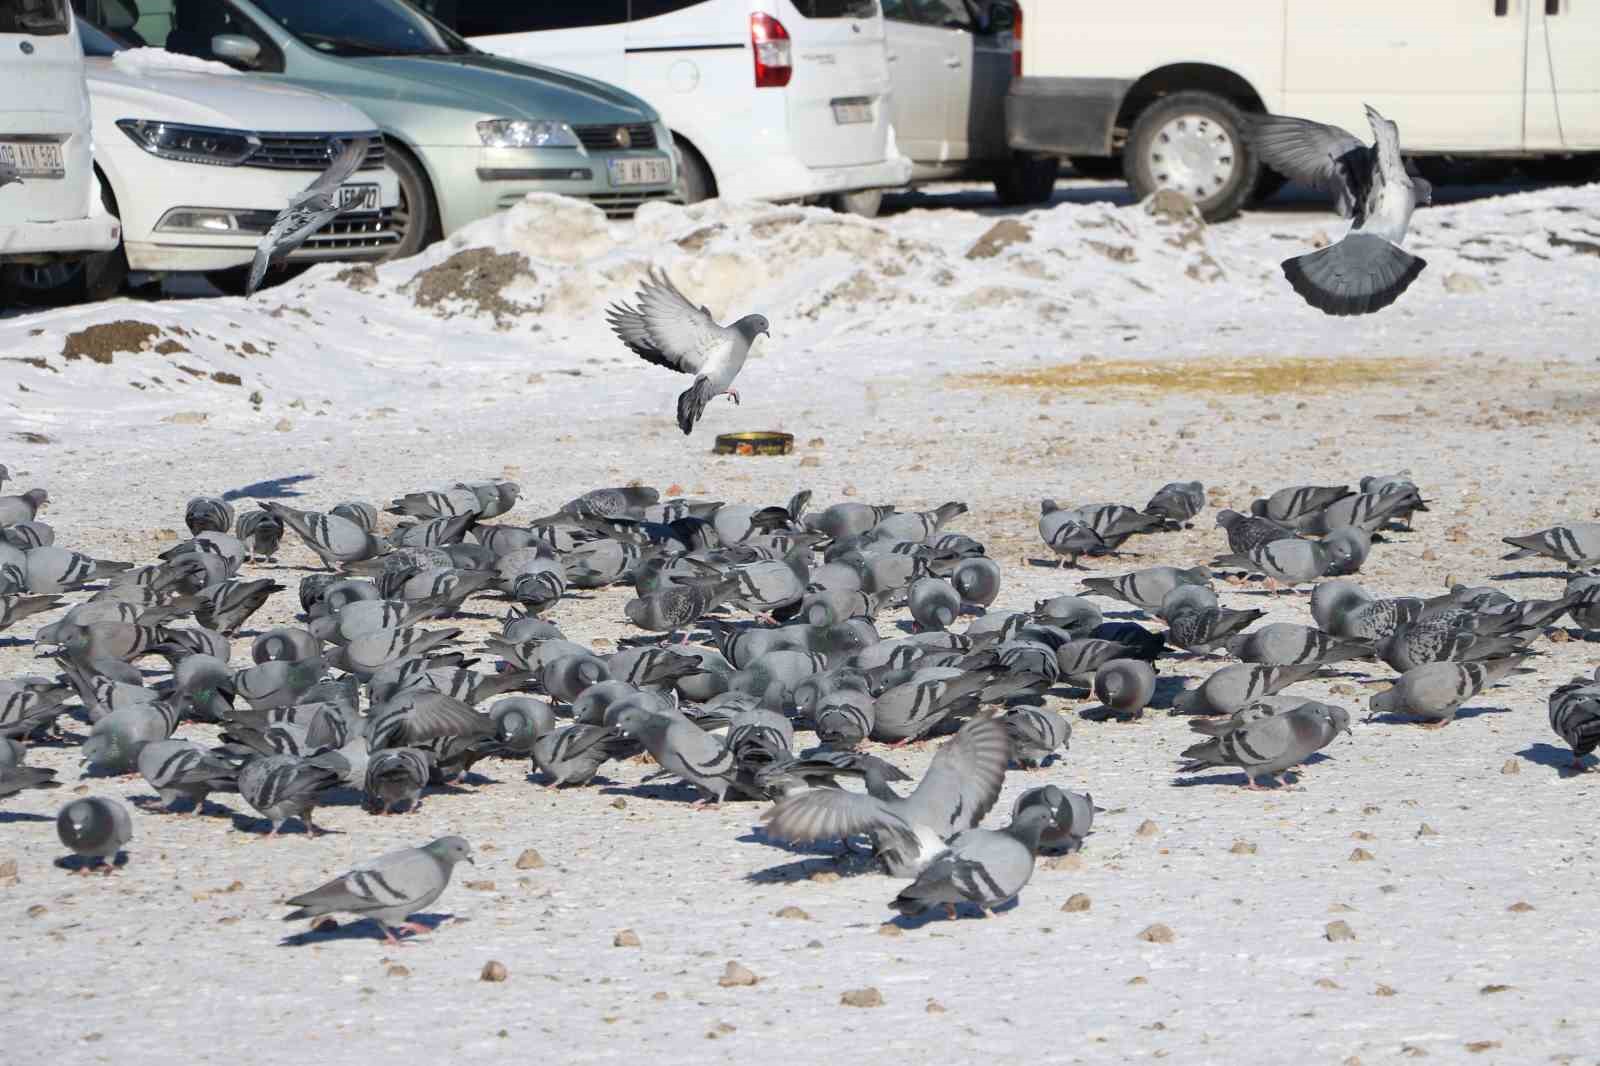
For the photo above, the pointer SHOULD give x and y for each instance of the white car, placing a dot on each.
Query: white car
(766, 99)
(197, 160)
(49, 205)
(1165, 85)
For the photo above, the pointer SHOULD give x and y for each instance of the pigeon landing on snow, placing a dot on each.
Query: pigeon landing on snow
(1366, 271)
(667, 330)
(307, 212)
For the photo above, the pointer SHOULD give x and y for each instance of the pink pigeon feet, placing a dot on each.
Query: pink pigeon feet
(734, 396)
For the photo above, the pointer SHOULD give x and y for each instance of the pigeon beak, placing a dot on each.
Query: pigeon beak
(472, 860)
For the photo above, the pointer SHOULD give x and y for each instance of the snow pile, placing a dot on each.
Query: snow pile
(141, 61)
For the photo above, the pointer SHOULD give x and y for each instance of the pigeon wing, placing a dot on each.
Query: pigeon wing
(666, 329)
(346, 163)
(964, 779)
(1325, 157)
(835, 814)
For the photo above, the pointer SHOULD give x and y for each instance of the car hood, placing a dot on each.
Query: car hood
(503, 87)
(230, 101)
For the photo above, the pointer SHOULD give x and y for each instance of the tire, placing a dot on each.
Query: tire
(1562, 169)
(863, 202)
(1193, 142)
(1028, 179)
(695, 180)
(1099, 167)
(419, 208)
(92, 279)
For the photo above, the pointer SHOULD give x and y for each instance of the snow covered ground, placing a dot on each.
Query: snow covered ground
(937, 354)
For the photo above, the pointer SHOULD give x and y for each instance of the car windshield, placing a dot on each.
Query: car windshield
(97, 42)
(363, 27)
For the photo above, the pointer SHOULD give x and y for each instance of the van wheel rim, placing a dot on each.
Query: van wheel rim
(1193, 154)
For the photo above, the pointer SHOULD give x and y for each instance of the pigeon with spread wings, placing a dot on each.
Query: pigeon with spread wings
(307, 212)
(1366, 270)
(667, 330)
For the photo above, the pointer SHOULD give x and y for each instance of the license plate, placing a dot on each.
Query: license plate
(34, 159)
(639, 171)
(847, 112)
(357, 199)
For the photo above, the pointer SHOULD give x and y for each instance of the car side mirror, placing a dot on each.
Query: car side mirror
(235, 48)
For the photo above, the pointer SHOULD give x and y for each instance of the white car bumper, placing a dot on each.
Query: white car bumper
(784, 177)
(97, 233)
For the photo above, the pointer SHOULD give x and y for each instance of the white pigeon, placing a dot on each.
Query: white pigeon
(1367, 270)
(308, 211)
(667, 330)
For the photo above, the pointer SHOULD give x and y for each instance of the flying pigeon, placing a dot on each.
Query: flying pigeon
(308, 211)
(1367, 270)
(388, 889)
(667, 330)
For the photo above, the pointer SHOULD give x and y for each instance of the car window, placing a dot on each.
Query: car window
(361, 27)
(949, 13)
(836, 9)
(192, 25)
(38, 17)
(900, 10)
(97, 42)
(480, 18)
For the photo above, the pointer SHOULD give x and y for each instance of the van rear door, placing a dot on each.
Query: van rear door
(44, 113)
(837, 97)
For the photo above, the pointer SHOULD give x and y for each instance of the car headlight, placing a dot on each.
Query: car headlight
(191, 144)
(525, 133)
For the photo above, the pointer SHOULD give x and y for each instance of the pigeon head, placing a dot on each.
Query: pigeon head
(39, 497)
(450, 850)
(751, 325)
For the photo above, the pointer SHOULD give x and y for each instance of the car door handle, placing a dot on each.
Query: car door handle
(952, 61)
(891, 56)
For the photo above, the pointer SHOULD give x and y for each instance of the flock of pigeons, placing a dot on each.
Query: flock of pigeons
(372, 693)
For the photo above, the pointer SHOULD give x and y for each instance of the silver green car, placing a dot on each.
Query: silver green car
(467, 133)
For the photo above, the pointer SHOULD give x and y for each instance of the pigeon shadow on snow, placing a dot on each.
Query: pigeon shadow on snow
(1535, 575)
(359, 929)
(1559, 759)
(277, 488)
(82, 863)
(260, 827)
(7, 817)
(964, 912)
(1400, 718)
(1286, 780)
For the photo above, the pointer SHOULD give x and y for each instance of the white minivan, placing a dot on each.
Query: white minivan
(50, 205)
(766, 99)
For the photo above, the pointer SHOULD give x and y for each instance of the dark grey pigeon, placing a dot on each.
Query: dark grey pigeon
(95, 828)
(1248, 532)
(1367, 270)
(984, 867)
(1178, 501)
(1575, 716)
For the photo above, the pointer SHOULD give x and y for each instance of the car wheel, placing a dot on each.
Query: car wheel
(1192, 142)
(695, 181)
(1028, 179)
(863, 202)
(91, 279)
(417, 216)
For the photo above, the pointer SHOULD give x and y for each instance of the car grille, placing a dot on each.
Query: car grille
(345, 235)
(308, 151)
(604, 138)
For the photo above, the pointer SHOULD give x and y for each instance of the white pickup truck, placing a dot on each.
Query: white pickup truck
(50, 202)
(1163, 85)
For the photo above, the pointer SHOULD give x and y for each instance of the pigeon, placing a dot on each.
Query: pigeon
(1367, 270)
(1067, 535)
(1347, 548)
(261, 531)
(917, 526)
(335, 539)
(50, 569)
(934, 603)
(182, 769)
(984, 867)
(1074, 614)
(961, 785)
(1248, 532)
(418, 714)
(308, 211)
(1577, 545)
(1125, 685)
(1146, 589)
(1434, 691)
(227, 606)
(388, 889)
(844, 718)
(1177, 501)
(23, 508)
(1290, 562)
(114, 743)
(1202, 629)
(14, 609)
(1036, 735)
(1439, 639)
(1268, 746)
(667, 330)
(1287, 644)
(976, 580)
(677, 606)
(208, 512)
(1383, 484)
(15, 778)
(289, 786)
(572, 755)
(1292, 504)
(1073, 816)
(682, 749)
(95, 828)
(395, 776)
(1234, 686)
(1574, 715)
(25, 535)
(1366, 510)
(1345, 609)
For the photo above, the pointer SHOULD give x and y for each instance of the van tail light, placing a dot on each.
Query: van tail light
(773, 50)
(1016, 43)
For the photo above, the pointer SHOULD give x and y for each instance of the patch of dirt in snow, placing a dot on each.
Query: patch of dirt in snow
(474, 281)
(101, 343)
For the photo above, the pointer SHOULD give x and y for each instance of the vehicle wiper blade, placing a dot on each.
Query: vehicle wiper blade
(366, 47)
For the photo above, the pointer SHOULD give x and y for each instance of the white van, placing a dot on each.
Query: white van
(766, 99)
(50, 202)
(1163, 84)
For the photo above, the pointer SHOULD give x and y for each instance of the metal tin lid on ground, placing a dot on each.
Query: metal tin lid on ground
(764, 442)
